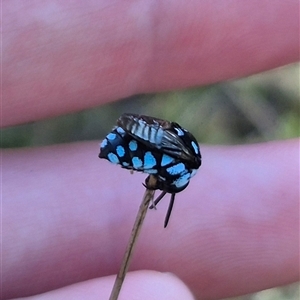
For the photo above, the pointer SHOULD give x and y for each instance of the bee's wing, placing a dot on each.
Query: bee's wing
(159, 134)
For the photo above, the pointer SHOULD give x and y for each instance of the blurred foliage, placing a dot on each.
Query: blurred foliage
(289, 292)
(259, 108)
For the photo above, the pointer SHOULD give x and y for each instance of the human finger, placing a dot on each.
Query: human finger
(75, 55)
(234, 230)
(148, 285)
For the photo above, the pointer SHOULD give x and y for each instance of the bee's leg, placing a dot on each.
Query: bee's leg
(169, 210)
(153, 205)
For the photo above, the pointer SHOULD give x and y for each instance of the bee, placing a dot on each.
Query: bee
(156, 147)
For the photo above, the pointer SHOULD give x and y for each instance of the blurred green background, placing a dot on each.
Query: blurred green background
(259, 108)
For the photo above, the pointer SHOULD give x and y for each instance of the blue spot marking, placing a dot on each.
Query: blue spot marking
(120, 130)
(120, 151)
(111, 136)
(195, 146)
(113, 158)
(166, 159)
(193, 173)
(103, 144)
(132, 145)
(177, 169)
(125, 164)
(137, 163)
(179, 131)
(151, 171)
(149, 160)
(182, 181)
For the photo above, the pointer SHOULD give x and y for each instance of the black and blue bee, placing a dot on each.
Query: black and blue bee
(157, 147)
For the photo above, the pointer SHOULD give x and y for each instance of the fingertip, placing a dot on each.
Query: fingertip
(154, 285)
(147, 285)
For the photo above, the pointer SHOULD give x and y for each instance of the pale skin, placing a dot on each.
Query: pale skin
(67, 215)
